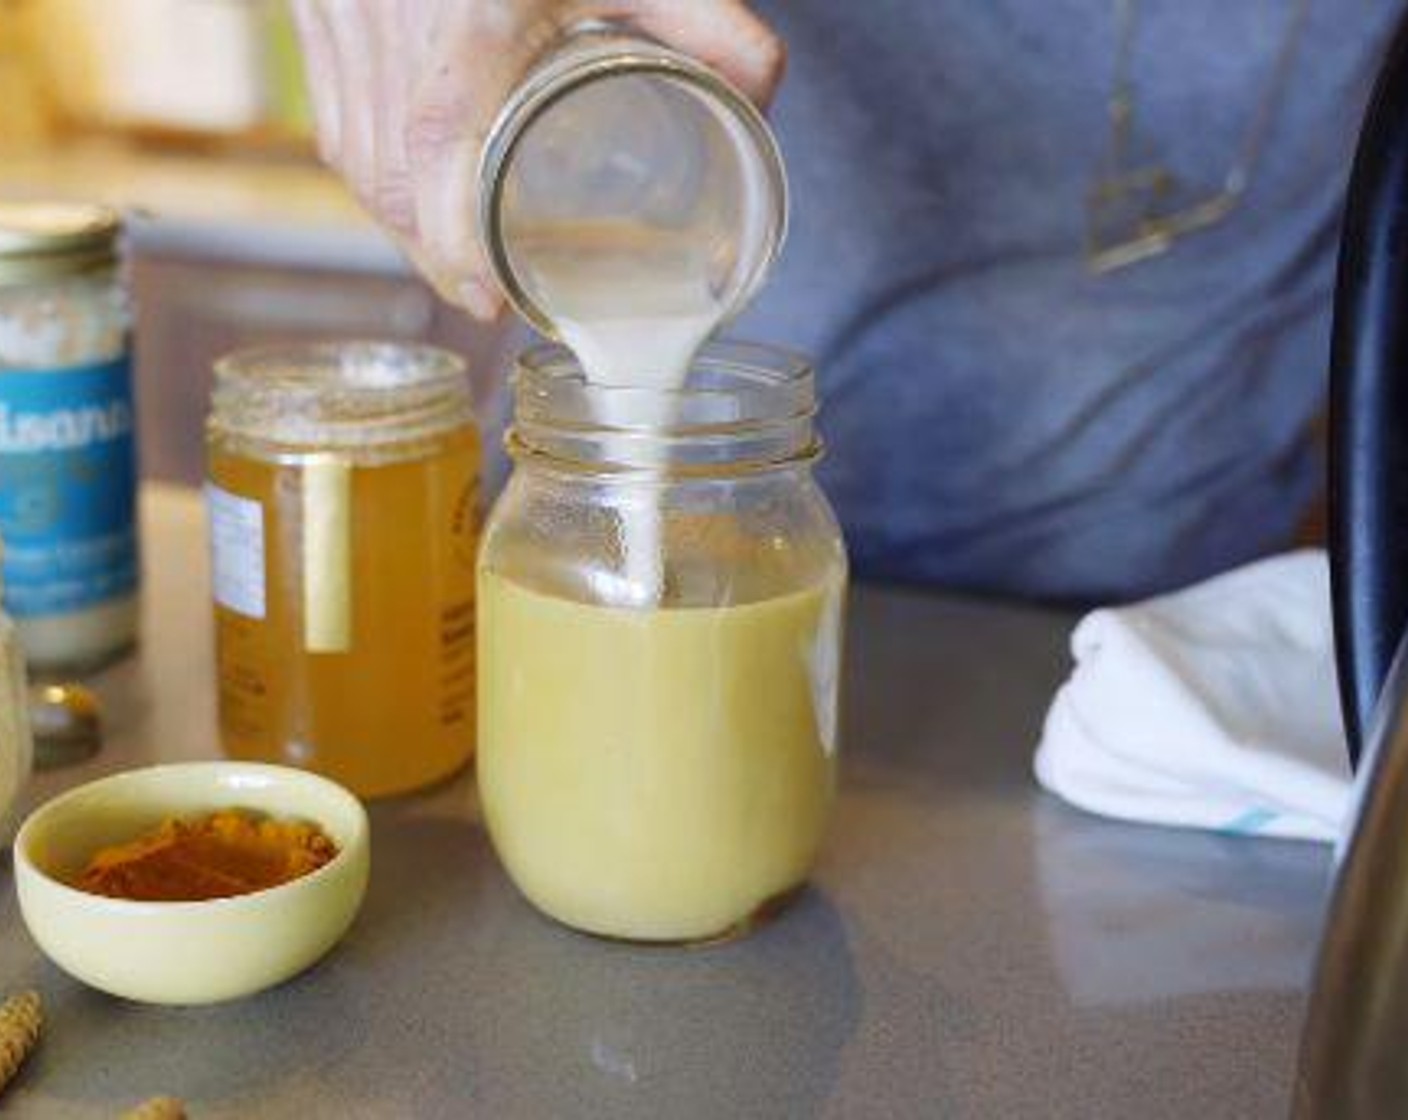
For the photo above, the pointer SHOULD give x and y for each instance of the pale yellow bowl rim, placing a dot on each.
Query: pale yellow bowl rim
(361, 829)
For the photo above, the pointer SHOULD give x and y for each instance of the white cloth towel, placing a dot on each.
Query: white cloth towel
(1213, 707)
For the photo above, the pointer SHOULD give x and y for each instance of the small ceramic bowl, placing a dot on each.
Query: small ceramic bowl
(188, 952)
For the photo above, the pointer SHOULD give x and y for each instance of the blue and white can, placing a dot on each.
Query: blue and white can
(68, 462)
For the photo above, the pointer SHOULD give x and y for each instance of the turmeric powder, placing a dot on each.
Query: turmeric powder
(221, 855)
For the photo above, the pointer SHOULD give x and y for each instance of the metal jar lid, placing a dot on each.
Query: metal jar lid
(47, 240)
(594, 51)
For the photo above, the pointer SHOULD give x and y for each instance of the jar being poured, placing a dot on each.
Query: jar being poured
(632, 201)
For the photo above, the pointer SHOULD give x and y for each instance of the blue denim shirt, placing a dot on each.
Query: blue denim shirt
(999, 418)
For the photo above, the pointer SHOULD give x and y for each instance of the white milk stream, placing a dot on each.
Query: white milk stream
(634, 211)
(635, 320)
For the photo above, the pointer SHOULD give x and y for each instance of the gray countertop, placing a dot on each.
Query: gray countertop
(970, 947)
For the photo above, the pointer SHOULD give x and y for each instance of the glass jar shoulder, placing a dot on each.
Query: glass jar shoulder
(64, 321)
(372, 450)
(722, 541)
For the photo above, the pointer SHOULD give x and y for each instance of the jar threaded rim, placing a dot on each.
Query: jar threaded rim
(746, 407)
(352, 394)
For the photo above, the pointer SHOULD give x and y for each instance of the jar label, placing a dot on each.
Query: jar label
(68, 487)
(327, 554)
(236, 551)
(344, 621)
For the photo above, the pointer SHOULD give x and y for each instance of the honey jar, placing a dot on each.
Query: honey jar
(343, 511)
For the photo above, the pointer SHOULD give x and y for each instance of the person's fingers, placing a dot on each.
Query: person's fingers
(725, 34)
(469, 288)
(478, 56)
(446, 244)
(352, 46)
(320, 75)
(391, 23)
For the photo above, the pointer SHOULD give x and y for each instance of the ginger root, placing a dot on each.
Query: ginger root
(158, 1108)
(21, 1020)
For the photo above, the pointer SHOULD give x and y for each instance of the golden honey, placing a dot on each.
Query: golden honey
(344, 584)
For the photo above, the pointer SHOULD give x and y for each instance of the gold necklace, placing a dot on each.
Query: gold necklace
(1137, 210)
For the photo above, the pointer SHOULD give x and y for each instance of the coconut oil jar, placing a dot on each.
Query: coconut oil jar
(67, 447)
(343, 510)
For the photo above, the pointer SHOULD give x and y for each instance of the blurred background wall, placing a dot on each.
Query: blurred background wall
(191, 116)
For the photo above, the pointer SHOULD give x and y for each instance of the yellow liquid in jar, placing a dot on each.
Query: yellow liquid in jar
(657, 775)
(394, 709)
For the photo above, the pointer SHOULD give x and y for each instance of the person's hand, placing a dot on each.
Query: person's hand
(404, 92)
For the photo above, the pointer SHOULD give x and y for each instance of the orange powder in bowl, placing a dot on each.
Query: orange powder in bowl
(220, 855)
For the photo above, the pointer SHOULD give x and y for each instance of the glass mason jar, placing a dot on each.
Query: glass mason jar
(343, 503)
(660, 640)
(617, 157)
(68, 462)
